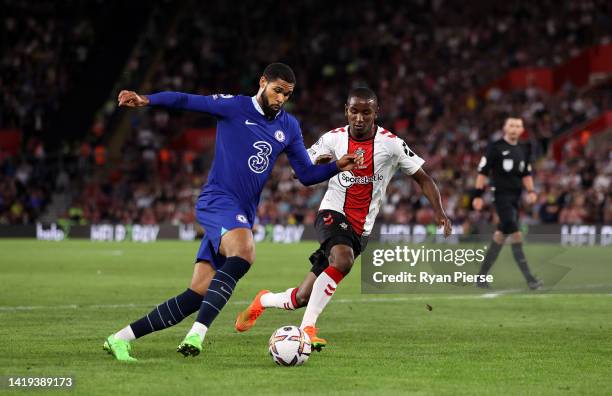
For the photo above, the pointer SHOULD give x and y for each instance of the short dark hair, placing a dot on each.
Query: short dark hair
(275, 71)
(362, 93)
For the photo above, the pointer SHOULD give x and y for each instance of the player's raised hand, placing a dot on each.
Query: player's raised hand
(132, 99)
(443, 221)
(477, 203)
(349, 161)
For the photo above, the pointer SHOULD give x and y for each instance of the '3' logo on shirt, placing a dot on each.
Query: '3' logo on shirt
(259, 162)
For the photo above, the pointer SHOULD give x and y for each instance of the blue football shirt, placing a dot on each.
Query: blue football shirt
(247, 145)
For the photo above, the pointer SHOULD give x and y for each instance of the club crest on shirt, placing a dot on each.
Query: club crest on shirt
(279, 135)
(241, 218)
(360, 152)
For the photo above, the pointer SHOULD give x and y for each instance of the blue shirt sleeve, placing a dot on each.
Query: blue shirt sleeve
(217, 105)
(305, 170)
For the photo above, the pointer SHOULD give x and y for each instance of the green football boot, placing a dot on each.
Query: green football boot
(120, 349)
(191, 346)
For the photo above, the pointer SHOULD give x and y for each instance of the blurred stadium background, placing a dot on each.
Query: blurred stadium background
(446, 75)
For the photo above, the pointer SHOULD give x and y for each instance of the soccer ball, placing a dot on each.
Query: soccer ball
(289, 346)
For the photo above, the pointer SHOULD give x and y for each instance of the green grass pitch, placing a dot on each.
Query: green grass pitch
(60, 300)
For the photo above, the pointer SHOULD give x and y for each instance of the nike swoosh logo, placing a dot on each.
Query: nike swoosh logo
(225, 291)
(247, 122)
(506, 152)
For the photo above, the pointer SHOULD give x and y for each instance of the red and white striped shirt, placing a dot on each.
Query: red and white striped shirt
(359, 193)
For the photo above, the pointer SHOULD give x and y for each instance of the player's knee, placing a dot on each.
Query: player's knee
(248, 255)
(342, 258)
(245, 252)
(199, 286)
(202, 275)
(499, 237)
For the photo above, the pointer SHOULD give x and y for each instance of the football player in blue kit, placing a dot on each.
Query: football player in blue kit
(251, 133)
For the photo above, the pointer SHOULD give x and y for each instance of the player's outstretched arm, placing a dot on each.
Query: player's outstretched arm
(309, 173)
(430, 190)
(178, 101)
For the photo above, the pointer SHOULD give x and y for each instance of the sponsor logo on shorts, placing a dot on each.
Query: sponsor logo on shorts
(344, 226)
(242, 218)
(328, 220)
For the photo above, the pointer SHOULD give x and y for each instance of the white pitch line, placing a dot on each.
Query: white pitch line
(337, 301)
(244, 302)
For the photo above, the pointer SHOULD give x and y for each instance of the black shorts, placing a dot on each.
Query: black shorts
(334, 229)
(507, 207)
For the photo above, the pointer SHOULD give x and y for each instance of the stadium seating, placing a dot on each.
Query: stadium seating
(430, 84)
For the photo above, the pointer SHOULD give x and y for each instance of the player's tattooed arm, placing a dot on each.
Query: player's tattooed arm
(430, 190)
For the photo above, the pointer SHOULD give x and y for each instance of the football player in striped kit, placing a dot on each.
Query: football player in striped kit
(348, 210)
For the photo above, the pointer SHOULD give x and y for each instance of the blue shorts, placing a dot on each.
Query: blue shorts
(218, 215)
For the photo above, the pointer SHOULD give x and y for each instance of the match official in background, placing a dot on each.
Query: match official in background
(508, 164)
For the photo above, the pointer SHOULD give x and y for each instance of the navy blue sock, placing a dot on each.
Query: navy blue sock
(168, 313)
(521, 261)
(490, 258)
(221, 288)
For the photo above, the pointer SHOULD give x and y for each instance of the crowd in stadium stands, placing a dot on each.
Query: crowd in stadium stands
(25, 188)
(429, 81)
(43, 46)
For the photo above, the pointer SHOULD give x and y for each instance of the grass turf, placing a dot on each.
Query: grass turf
(60, 300)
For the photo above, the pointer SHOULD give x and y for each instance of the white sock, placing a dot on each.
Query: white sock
(125, 334)
(280, 300)
(322, 291)
(199, 329)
